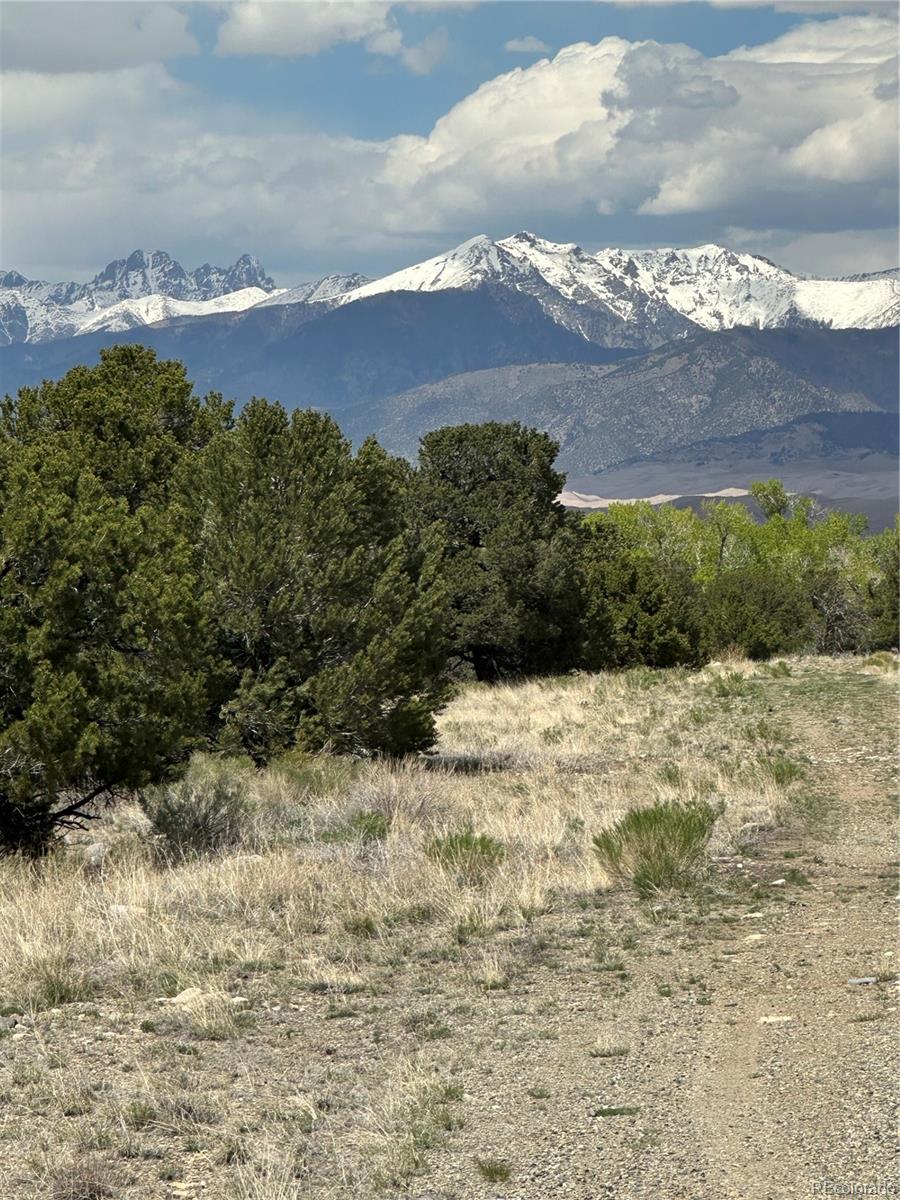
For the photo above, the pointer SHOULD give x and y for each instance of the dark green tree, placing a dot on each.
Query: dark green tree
(760, 609)
(331, 612)
(512, 565)
(103, 634)
(884, 590)
(637, 611)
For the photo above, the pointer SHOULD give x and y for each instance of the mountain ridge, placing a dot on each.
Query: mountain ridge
(33, 310)
(614, 298)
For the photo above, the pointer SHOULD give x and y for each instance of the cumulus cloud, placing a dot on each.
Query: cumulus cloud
(307, 28)
(854, 40)
(52, 37)
(526, 45)
(842, 252)
(802, 131)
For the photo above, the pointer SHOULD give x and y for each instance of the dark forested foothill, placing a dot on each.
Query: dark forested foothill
(175, 578)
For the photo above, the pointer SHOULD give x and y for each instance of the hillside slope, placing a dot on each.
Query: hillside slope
(713, 385)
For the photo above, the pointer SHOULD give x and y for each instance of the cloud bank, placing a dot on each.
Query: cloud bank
(797, 136)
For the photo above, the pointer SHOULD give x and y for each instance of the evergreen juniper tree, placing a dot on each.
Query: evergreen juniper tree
(331, 612)
(511, 568)
(103, 633)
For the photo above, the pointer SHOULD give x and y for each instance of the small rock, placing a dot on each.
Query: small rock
(778, 883)
(191, 995)
(754, 937)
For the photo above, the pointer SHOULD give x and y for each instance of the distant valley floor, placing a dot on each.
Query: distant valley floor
(868, 484)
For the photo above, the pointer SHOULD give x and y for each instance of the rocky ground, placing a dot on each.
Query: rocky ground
(737, 1042)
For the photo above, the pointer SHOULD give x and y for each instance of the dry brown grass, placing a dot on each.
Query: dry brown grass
(312, 903)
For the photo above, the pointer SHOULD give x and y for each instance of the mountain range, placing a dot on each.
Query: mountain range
(624, 356)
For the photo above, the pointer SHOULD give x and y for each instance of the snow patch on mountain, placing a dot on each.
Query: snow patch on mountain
(467, 266)
(148, 310)
(328, 288)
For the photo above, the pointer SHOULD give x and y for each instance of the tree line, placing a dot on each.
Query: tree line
(173, 575)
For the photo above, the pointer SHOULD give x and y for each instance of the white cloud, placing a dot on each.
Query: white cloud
(423, 58)
(81, 37)
(526, 45)
(856, 39)
(646, 134)
(63, 103)
(292, 30)
(843, 252)
(308, 27)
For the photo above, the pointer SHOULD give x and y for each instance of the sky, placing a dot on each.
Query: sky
(333, 136)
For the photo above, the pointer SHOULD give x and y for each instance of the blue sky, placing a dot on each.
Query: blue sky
(329, 136)
(346, 89)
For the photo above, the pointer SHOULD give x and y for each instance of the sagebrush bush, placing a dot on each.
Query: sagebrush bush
(660, 848)
(205, 811)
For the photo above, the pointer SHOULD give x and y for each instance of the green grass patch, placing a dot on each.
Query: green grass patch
(367, 824)
(471, 855)
(782, 770)
(660, 848)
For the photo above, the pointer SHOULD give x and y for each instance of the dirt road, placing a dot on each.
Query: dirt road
(755, 1067)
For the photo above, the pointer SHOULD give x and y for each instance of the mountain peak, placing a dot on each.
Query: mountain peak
(12, 279)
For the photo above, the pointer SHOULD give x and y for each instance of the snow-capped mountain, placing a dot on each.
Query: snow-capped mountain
(612, 298)
(328, 288)
(32, 310)
(631, 298)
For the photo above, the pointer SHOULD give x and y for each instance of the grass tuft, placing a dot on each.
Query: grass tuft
(659, 848)
(471, 855)
(494, 1170)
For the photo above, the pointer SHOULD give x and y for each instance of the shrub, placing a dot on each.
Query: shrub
(471, 855)
(205, 811)
(762, 610)
(783, 770)
(882, 660)
(660, 848)
(732, 683)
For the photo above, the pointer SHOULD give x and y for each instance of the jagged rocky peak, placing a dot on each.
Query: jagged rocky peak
(156, 273)
(248, 271)
(12, 279)
(142, 273)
